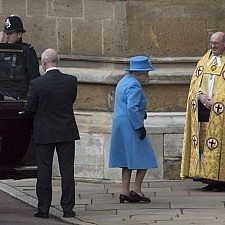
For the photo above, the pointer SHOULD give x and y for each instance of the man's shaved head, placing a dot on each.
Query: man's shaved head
(49, 55)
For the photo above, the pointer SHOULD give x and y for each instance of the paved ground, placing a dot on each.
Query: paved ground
(16, 212)
(173, 203)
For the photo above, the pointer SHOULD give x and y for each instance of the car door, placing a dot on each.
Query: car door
(17, 153)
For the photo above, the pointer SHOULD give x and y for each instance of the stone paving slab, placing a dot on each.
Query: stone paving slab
(197, 202)
(199, 192)
(145, 190)
(147, 217)
(217, 212)
(124, 223)
(172, 194)
(93, 191)
(198, 217)
(173, 203)
(80, 212)
(96, 195)
(194, 222)
(156, 212)
(103, 206)
(175, 184)
(101, 218)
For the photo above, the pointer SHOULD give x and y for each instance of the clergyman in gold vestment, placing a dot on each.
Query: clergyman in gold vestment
(203, 156)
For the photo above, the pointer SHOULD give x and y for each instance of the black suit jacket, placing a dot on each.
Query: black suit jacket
(50, 100)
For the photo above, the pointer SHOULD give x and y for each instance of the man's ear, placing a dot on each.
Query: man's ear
(43, 63)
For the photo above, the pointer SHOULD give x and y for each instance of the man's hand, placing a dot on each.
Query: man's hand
(7, 98)
(3, 37)
(205, 100)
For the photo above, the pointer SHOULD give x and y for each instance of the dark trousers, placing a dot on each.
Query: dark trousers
(66, 153)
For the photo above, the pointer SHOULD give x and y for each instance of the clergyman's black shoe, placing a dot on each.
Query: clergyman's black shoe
(209, 187)
(219, 188)
(214, 188)
(69, 214)
(41, 215)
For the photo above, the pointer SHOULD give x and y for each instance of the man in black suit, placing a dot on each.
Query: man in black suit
(50, 100)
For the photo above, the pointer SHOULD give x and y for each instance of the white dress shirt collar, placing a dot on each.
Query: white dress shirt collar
(51, 68)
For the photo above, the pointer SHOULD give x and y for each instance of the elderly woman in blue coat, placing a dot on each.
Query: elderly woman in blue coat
(130, 148)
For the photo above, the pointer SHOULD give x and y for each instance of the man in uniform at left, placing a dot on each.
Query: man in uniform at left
(14, 82)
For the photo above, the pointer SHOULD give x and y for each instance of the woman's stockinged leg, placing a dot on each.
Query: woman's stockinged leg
(126, 175)
(138, 181)
(136, 194)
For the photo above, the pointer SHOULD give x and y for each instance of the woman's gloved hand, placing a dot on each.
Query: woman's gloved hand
(142, 132)
(145, 116)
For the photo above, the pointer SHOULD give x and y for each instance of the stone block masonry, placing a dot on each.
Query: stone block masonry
(118, 28)
(92, 150)
(95, 38)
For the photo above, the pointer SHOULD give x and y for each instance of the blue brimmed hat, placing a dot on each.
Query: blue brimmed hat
(140, 63)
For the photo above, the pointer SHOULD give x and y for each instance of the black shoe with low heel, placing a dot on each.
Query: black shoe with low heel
(125, 198)
(41, 215)
(139, 198)
(69, 214)
(209, 187)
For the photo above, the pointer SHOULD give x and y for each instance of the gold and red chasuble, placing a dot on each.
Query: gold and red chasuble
(212, 164)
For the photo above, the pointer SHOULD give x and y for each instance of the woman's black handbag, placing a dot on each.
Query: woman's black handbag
(203, 112)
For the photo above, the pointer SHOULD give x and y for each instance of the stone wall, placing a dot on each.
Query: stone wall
(165, 131)
(119, 28)
(166, 89)
(95, 38)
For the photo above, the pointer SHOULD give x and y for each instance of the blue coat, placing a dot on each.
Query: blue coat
(126, 149)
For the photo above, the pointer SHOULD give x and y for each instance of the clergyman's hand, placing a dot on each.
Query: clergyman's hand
(205, 100)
